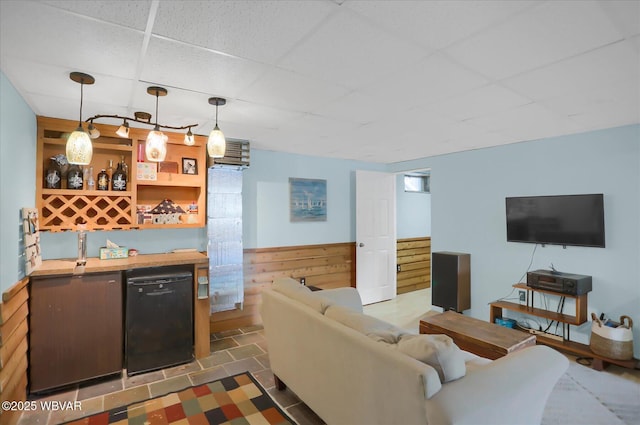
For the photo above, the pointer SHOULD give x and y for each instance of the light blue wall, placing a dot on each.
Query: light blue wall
(266, 199)
(17, 178)
(468, 192)
(413, 212)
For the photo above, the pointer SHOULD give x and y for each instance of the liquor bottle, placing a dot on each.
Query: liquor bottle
(110, 169)
(53, 177)
(119, 179)
(103, 180)
(91, 183)
(125, 167)
(74, 177)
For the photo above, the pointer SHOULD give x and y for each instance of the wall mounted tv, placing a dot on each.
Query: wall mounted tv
(576, 220)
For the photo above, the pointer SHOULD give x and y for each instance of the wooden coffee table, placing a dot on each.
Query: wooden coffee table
(477, 336)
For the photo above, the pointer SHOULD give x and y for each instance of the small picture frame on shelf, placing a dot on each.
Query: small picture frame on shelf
(189, 166)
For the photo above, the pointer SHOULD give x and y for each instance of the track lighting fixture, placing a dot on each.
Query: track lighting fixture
(94, 133)
(123, 130)
(216, 144)
(79, 149)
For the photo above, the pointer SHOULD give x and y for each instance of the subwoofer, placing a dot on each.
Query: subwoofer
(451, 280)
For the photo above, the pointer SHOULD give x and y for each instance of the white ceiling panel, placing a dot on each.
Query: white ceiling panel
(366, 55)
(437, 24)
(291, 91)
(197, 69)
(132, 14)
(544, 34)
(429, 81)
(258, 30)
(586, 72)
(336, 78)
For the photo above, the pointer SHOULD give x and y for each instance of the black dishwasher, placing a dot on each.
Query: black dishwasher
(159, 318)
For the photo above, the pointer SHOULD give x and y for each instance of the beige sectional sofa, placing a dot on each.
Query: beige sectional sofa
(350, 368)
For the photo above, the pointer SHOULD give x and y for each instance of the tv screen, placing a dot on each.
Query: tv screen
(560, 220)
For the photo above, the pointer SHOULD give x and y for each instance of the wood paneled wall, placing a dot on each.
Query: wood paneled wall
(14, 311)
(325, 266)
(414, 259)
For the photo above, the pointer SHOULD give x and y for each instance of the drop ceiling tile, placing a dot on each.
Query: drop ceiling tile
(624, 14)
(547, 33)
(258, 115)
(429, 81)
(359, 108)
(196, 69)
(485, 100)
(53, 38)
(132, 14)
(257, 30)
(351, 52)
(290, 91)
(615, 62)
(437, 24)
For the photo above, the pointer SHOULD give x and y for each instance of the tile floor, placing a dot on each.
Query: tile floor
(232, 352)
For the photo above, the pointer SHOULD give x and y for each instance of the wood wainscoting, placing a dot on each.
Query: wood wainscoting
(324, 266)
(414, 261)
(14, 310)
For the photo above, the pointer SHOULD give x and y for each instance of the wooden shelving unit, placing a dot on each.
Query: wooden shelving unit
(564, 344)
(62, 209)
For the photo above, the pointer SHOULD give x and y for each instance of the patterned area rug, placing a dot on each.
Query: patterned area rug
(237, 399)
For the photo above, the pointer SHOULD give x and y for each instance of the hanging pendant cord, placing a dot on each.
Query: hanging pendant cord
(81, 96)
(156, 127)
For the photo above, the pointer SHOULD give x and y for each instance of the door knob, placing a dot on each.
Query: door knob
(360, 244)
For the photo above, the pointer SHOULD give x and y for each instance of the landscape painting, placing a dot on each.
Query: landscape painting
(307, 199)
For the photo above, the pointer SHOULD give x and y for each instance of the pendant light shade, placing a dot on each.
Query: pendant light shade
(94, 133)
(79, 149)
(189, 139)
(216, 144)
(156, 145)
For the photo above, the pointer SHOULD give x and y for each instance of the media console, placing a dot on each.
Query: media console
(564, 344)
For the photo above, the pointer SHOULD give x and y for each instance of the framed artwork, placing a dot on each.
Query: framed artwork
(31, 237)
(307, 200)
(189, 166)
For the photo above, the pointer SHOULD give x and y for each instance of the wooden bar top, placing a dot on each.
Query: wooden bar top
(67, 266)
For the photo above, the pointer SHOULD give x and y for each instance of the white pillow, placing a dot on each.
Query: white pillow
(438, 351)
(295, 290)
(374, 328)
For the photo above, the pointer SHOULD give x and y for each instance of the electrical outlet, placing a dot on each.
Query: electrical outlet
(303, 281)
(522, 296)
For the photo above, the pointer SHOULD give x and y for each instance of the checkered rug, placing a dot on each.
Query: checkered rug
(234, 400)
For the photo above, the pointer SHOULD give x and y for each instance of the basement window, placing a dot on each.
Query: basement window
(417, 182)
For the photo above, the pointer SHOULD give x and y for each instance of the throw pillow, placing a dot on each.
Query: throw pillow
(374, 328)
(294, 290)
(438, 351)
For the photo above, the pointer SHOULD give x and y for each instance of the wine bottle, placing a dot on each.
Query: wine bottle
(103, 180)
(125, 167)
(74, 177)
(91, 183)
(119, 179)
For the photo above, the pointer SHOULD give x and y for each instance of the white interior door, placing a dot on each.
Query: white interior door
(375, 236)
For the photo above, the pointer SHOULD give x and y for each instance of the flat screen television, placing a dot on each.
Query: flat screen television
(576, 220)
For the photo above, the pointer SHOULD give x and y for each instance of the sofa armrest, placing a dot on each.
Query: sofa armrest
(345, 297)
(513, 388)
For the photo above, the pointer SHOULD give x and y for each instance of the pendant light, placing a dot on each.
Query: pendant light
(216, 144)
(156, 144)
(79, 149)
(189, 139)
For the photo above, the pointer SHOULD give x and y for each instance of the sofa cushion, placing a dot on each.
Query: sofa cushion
(374, 328)
(294, 290)
(438, 351)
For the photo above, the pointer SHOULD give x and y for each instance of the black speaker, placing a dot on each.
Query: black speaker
(451, 280)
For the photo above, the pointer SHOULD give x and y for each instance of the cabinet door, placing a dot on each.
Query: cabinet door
(76, 330)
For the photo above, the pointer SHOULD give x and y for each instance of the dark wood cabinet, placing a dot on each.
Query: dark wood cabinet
(451, 280)
(76, 329)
